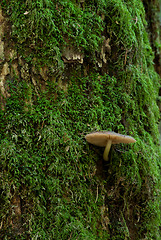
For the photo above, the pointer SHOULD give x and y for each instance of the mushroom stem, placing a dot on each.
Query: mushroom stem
(107, 149)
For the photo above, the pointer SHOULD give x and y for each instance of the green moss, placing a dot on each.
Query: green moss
(43, 28)
(65, 193)
(44, 152)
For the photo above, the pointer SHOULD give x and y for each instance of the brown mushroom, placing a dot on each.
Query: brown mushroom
(106, 139)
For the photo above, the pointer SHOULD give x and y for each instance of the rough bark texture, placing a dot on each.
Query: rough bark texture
(153, 13)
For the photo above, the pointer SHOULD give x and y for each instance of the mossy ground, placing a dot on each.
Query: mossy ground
(66, 190)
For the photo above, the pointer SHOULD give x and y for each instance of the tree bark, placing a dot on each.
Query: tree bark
(53, 183)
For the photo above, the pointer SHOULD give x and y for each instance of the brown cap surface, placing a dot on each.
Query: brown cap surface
(101, 138)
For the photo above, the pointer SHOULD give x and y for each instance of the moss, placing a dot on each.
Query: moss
(43, 28)
(65, 193)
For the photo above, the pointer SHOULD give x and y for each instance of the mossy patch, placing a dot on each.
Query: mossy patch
(66, 190)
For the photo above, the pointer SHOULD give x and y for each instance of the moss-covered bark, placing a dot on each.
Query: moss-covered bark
(153, 16)
(69, 68)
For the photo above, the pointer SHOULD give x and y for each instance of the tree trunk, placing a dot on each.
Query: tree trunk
(68, 68)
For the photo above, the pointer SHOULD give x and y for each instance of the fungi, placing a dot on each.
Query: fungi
(106, 139)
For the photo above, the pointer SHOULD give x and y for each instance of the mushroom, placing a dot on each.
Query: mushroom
(106, 139)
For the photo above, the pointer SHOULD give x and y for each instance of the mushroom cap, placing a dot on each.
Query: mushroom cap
(101, 138)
